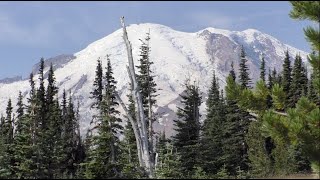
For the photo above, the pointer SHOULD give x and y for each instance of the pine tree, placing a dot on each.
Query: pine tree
(312, 95)
(212, 139)
(187, 127)
(23, 149)
(148, 89)
(129, 155)
(52, 129)
(40, 124)
(27, 138)
(259, 151)
(304, 80)
(270, 85)
(263, 70)
(232, 72)
(98, 86)
(70, 139)
(103, 156)
(270, 79)
(7, 154)
(277, 78)
(80, 151)
(244, 78)
(237, 121)
(298, 81)
(310, 11)
(286, 76)
(167, 163)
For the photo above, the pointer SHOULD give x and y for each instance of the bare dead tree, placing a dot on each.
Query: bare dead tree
(139, 126)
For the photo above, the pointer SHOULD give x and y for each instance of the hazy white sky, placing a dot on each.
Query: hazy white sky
(31, 30)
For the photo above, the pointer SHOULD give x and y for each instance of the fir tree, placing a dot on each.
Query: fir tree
(312, 95)
(129, 155)
(70, 139)
(263, 70)
(270, 85)
(237, 121)
(147, 88)
(7, 154)
(98, 86)
(232, 72)
(286, 76)
(297, 86)
(167, 163)
(23, 149)
(39, 114)
(244, 78)
(259, 151)
(187, 127)
(212, 139)
(52, 129)
(103, 156)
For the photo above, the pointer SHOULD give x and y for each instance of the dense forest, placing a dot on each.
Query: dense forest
(252, 129)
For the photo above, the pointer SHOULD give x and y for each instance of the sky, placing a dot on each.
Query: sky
(31, 30)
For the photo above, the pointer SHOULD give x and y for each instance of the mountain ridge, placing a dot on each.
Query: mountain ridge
(176, 55)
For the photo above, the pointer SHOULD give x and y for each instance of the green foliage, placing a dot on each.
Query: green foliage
(299, 82)
(263, 70)
(103, 155)
(309, 10)
(212, 130)
(98, 86)
(187, 127)
(261, 162)
(244, 78)
(222, 173)
(278, 97)
(199, 173)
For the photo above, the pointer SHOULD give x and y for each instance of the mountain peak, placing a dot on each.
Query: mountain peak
(176, 56)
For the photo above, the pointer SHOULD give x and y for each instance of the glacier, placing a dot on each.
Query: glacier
(176, 55)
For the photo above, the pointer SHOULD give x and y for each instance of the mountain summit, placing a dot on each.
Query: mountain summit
(176, 55)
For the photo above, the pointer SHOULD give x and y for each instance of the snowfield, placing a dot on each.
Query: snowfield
(176, 56)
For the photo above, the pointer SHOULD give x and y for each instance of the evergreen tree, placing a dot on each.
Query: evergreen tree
(298, 80)
(80, 151)
(244, 78)
(98, 86)
(7, 156)
(259, 151)
(52, 130)
(104, 155)
(263, 70)
(167, 163)
(147, 89)
(270, 79)
(286, 76)
(129, 155)
(237, 121)
(277, 78)
(270, 85)
(212, 140)
(187, 127)
(302, 10)
(304, 80)
(312, 95)
(232, 72)
(70, 139)
(23, 149)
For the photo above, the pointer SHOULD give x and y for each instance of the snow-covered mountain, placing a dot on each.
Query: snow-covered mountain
(176, 56)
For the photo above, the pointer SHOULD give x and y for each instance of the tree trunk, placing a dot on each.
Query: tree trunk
(134, 127)
(141, 121)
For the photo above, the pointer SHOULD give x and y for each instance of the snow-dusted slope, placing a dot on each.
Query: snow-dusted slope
(176, 56)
